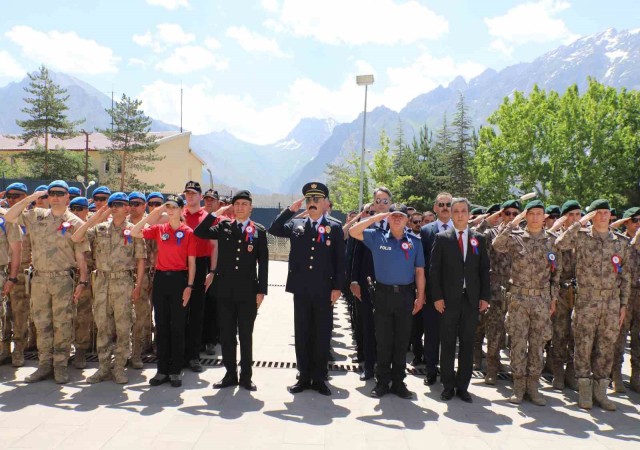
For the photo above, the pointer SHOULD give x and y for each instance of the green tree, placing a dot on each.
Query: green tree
(132, 148)
(62, 164)
(380, 168)
(460, 152)
(343, 181)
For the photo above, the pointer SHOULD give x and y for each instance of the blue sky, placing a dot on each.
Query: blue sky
(255, 68)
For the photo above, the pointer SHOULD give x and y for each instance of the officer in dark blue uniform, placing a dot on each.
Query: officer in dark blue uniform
(316, 276)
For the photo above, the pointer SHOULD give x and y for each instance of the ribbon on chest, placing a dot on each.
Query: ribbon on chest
(474, 245)
(127, 237)
(405, 246)
(3, 225)
(617, 263)
(250, 232)
(64, 226)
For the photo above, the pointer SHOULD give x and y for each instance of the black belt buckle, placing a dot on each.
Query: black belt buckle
(396, 289)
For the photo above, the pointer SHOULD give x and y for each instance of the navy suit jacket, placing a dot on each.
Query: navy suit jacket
(428, 237)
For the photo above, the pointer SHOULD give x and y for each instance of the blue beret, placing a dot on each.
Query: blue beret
(42, 187)
(79, 201)
(17, 187)
(155, 195)
(92, 207)
(138, 195)
(101, 190)
(59, 184)
(118, 197)
(74, 191)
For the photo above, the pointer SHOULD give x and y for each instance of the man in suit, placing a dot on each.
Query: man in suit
(459, 279)
(240, 289)
(316, 276)
(442, 208)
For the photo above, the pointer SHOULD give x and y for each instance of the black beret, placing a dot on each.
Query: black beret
(534, 204)
(599, 204)
(493, 208)
(512, 204)
(477, 211)
(552, 209)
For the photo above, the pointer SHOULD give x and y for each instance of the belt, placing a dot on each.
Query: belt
(395, 288)
(525, 291)
(113, 274)
(61, 273)
(169, 273)
(599, 292)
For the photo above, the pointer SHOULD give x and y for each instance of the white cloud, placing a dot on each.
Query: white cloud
(62, 51)
(9, 67)
(212, 43)
(270, 5)
(535, 22)
(137, 62)
(171, 5)
(189, 59)
(166, 35)
(254, 42)
(358, 22)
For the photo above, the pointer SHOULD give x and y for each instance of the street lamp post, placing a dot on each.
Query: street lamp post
(81, 179)
(363, 80)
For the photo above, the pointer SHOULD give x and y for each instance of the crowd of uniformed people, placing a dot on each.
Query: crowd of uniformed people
(127, 274)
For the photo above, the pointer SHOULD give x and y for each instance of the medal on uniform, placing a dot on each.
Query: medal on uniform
(248, 232)
(64, 226)
(127, 236)
(179, 236)
(327, 229)
(405, 248)
(2, 222)
(249, 248)
(474, 245)
(321, 231)
(165, 236)
(552, 260)
(617, 267)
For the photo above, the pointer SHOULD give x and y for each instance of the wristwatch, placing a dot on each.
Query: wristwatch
(190, 286)
(14, 280)
(84, 283)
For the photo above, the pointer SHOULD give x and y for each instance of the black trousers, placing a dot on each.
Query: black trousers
(210, 329)
(313, 317)
(170, 317)
(393, 332)
(237, 315)
(458, 325)
(369, 350)
(417, 330)
(431, 337)
(195, 311)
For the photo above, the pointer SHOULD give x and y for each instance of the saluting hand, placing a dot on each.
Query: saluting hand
(478, 219)
(587, 218)
(222, 210)
(36, 195)
(517, 219)
(558, 224)
(495, 214)
(296, 205)
(618, 223)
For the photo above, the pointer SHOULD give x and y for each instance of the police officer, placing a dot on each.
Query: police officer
(398, 262)
(316, 276)
(239, 289)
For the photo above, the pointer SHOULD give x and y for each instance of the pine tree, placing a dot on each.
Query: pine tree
(132, 148)
(460, 152)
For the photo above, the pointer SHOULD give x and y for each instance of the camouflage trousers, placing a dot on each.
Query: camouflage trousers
(529, 326)
(52, 313)
(595, 330)
(631, 322)
(494, 320)
(562, 340)
(143, 326)
(114, 315)
(83, 320)
(16, 323)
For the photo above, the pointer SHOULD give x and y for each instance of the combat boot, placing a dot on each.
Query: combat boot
(80, 359)
(61, 374)
(600, 395)
(17, 358)
(532, 391)
(618, 384)
(635, 380)
(492, 370)
(119, 376)
(42, 373)
(5, 355)
(136, 362)
(519, 387)
(103, 374)
(558, 376)
(570, 379)
(585, 390)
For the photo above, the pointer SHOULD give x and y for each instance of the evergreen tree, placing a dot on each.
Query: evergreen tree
(460, 153)
(343, 181)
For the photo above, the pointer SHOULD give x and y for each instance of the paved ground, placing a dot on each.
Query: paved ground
(77, 415)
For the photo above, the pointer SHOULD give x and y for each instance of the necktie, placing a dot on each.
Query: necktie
(240, 227)
(460, 243)
(315, 226)
(445, 226)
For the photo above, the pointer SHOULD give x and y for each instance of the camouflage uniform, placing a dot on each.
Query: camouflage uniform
(602, 291)
(115, 258)
(142, 327)
(533, 284)
(83, 319)
(52, 286)
(10, 233)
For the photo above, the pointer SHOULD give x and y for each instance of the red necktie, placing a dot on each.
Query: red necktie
(460, 243)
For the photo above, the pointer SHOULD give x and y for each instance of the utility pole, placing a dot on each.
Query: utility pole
(181, 107)
(86, 155)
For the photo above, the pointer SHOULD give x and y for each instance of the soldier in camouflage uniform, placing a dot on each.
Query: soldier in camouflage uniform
(603, 276)
(55, 257)
(535, 268)
(15, 323)
(632, 316)
(118, 258)
(562, 350)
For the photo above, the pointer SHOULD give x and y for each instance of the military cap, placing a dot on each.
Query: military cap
(399, 208)
(477, 211)
(599, 204)
(58, 184)
(42, 187)
(315, 189)
(493, 208)
(631, 212)
(212, 194)
(92, 207)
(17, 187)
(101, 190)
(568, 206)
(534, 204)
(118, 197)
(176, 200)
(512, 204)
(155, 195)
(242, 195)
(74, 191)
(136, 195)
(552, 209)
(193, 186)
(614, 212)
(79, 201)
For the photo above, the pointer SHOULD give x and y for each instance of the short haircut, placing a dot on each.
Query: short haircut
(461, 200)
(416, 214)
(351, 212)
(442, 194)
(426, 213)
(382, 189)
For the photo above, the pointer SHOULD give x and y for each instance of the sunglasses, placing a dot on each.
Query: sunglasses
(136, 204)
(382, 200)
(554, 216)
(100, 199)
(416, 222)
(155, 204)
(510, 214)
(117, 205)
(13, 196)
(635, 220)
(57, 194)
(442, 205)
(77, 208)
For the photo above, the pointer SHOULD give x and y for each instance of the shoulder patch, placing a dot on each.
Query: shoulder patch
(259, 226)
